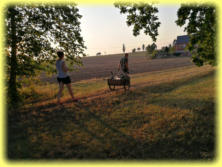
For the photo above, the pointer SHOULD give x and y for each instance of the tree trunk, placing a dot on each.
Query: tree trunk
(12, 89)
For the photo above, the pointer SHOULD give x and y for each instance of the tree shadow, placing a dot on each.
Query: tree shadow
(129, 148)
(161, 89)
(122, 148)
(202, 136)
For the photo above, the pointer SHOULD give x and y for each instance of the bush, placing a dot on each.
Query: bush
(154, 54)
(176, 54)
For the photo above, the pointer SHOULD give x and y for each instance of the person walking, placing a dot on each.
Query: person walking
(62, 77)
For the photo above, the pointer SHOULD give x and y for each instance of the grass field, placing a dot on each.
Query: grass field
(167, 115)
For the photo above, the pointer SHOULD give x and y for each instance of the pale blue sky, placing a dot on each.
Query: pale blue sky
(105, 30)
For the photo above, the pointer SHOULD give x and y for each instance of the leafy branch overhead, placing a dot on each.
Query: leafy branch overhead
(141, 16)
(200, 24)
(40, 28)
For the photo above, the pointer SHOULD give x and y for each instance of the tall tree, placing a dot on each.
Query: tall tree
(141, 16)
(32, 34)
(151, 48)
(133, 50)
(166, 49)
(200, 24)
(143, 47)
(124, 48)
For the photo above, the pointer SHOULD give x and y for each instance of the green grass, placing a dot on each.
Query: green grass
(167, 115)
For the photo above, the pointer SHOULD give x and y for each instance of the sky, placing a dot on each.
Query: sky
(104, 29)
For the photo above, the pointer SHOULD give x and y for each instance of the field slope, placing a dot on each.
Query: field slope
(100, 66)
(168, 114)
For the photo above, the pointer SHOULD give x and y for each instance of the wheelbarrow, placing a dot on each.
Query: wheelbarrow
(119, 80)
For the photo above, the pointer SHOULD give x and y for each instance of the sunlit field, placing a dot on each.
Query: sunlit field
(167, 114)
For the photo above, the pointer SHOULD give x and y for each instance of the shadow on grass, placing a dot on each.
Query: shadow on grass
(195, 146)
(160, 88)
(200, 143)
(127, 147)
(168, 87)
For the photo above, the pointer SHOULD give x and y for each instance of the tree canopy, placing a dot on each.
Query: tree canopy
(141, 16)
(151, 48)
(35, 33)
(200, 24)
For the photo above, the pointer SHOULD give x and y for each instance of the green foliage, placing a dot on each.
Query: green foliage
(38, 28)
(199, 21)
(176, 54)
(166, 49)
(171, 49)
(153, 55)
(141, 16)
(34, 34)
(151, 48)
(200, 24)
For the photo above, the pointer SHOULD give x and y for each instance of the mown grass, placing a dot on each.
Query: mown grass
(46, 93)
(167, 115)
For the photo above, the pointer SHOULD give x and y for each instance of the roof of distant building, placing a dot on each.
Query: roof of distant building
(182, 39)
